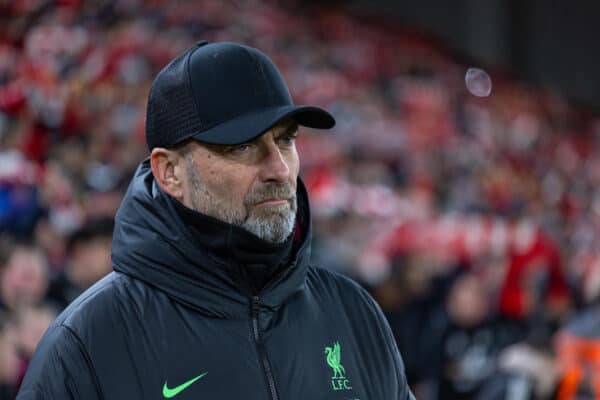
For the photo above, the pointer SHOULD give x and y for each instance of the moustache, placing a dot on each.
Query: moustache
(272, 191)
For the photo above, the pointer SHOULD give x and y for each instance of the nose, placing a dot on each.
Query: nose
(274, 166)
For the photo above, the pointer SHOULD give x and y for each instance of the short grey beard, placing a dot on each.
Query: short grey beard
(275, 229)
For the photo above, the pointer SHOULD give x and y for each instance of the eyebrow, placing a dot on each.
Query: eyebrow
(220, 148)
(293, 128)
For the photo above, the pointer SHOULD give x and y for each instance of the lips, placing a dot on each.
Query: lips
(272, 202)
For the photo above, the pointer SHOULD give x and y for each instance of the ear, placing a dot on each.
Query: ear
(167, 170)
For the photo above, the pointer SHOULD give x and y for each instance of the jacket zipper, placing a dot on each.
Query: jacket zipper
(261, 350)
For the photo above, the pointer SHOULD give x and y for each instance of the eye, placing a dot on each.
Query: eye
(288, 139)
(239, 149)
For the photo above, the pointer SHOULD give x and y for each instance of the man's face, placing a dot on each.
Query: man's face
(90, 261)
(24, 277)
(252, 185)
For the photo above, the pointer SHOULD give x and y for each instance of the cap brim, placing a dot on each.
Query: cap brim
(249, 126)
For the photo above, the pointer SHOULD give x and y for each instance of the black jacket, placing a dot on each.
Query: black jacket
(177, 319)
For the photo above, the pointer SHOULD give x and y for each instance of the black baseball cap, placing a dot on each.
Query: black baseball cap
(222, 93)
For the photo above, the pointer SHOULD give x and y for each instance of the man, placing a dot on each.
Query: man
(88, 252)
(213, 296)
(23, 277)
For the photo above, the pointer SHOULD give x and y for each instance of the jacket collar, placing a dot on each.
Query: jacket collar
(257, 259)
(153, 244)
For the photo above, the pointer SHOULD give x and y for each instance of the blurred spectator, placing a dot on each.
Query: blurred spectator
(19, 205)
(535, 288)
(9, 360)
(23, 277)
(464, 343)
(525, 371)
(409, 297)
(578, 344)
(31, 323)
(87, 262)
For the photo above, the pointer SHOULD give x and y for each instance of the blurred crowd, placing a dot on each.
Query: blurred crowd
(474, 221)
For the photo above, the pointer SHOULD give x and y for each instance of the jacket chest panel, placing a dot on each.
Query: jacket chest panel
(173, 358)
(316, 356)
(313, 354)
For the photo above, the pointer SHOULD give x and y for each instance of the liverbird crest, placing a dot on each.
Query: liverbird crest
(334, 361)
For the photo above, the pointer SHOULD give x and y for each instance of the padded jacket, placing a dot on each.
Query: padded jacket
(177, 319)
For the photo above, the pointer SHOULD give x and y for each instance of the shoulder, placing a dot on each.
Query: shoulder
(336, 286)
(75, 342)
(60, 367)
(103, 306)
(332, 280)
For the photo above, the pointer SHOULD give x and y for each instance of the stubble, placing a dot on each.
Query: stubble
(270, 223)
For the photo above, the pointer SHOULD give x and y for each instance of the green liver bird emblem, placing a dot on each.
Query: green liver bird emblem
(334, 361)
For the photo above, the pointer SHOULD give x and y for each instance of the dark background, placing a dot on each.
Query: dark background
(547, 42)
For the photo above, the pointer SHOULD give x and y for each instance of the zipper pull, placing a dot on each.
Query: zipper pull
(255, 311)
(255, 305)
